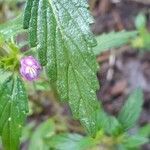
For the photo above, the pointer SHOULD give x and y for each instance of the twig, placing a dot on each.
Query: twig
(112, 60)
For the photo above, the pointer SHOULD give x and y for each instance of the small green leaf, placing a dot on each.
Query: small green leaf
(70, 142)
(145, 131)
(108, 123)
(113, 40)
(135, 141)
(131, 110)
(4, 75)
(27, 131)
(12, 28)
(13, 111)
(45, 130)
(121, 147)
(42, 86)
(114, 127)
(140, 21)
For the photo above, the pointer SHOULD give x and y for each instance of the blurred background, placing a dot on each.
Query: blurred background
(124, 64)
(127, 67)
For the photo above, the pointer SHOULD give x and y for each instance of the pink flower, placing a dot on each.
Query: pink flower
(30, 68)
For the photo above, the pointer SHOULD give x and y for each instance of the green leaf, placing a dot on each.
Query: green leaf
(113, 40)
(27, 14)
(42, 85)
(4, 75)
(42, 31)
(135, 141)
(45, 130)
(70, 142)
(131, 110)
(33, 24)
(140, 21)
(121, 147)
(108, 123)
(145, 131)
(11, 28)
(63, 39)
(114, 127)
(13, 110)
(27, 131)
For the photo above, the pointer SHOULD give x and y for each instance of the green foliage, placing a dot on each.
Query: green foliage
(140, 38)
(11, 28)
(59, 32)
(145, 131)
(108, 123)
(13, 110)
(9, 58)
(114, 127)
(70, 142)
(62, 35)
(42, 86)
(113, 40)
(43, 131)
(47, 138)
(143, 39)
(134, 141)
(140, 21)
(27, 130)
(131, 110)
(4, 75)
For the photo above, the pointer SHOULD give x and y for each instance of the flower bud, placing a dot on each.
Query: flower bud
(30, 68)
